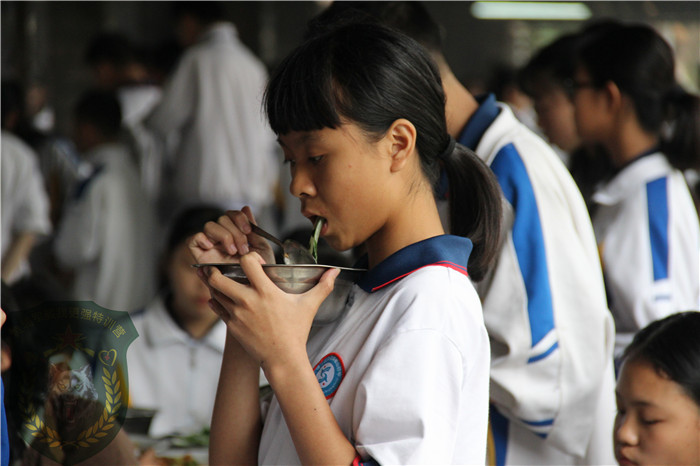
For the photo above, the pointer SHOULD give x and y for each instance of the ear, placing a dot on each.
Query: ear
(401, 136)
(613, 97)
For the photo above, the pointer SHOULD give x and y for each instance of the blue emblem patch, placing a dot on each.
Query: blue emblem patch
(329, 373)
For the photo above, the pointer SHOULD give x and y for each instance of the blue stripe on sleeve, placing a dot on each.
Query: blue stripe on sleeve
(657, 206)
(543, 355)
(527, 239)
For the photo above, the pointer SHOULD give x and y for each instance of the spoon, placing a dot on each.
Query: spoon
(294, 253)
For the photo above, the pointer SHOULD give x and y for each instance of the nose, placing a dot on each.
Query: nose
(625, 432)
(302, 183)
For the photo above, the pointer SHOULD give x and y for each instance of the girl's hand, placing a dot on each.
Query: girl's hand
(271, 325)
(229, 238)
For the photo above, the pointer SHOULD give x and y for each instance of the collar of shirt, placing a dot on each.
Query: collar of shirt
(471, 134)
(480, 121)
(647, 167)
(161, 330)
(444, 250)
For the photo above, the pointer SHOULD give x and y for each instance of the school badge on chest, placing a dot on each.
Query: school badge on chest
(74, 392)
(329, 373)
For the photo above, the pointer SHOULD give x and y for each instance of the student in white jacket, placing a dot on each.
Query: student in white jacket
(551, 333)
(212, 105)
(628, 100)
(105, 235)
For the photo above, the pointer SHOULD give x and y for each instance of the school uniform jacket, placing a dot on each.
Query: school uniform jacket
(405, 368)
(647, 231)
(226, 151)
(172, 372)
(24, 201)
(552, 382)
(106, 234)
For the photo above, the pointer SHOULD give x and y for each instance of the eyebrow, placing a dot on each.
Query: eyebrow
(641, 403)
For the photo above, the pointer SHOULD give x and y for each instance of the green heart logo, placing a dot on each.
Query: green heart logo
(108, 358)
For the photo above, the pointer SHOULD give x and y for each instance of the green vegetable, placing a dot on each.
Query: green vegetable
(313, 242)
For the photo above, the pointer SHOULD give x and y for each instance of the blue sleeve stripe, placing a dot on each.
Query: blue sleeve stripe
(527, 238)
(540, 356)
(657, 206)
(546, 422)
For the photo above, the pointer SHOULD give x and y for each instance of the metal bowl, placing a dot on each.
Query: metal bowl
(300, 278)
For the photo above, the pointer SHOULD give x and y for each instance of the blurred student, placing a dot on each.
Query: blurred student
(118, 66)
(544, 301)
(105, 236)
(174, 364)
(546, 78)
(212, 103)
(25, 202)
(658, 394)
(627, 99)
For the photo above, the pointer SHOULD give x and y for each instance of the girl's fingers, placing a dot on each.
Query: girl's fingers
(252, 267)
(324, 287)
(242, 219)
(219, 234)
(238, 235)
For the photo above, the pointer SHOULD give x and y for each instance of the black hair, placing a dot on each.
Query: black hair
(551, 65)
(555, 63)
(672, 346)
(372, 76)
(189, 221)
(204, 12)
(186, 223)
(641, 63)
(111, 47)
(101, 109)
(11, 100)
(410, 18)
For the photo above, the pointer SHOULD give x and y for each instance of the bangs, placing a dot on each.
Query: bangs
(300, 95)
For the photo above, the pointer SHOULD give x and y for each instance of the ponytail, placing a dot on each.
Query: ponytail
(680, 138)
(475, 206)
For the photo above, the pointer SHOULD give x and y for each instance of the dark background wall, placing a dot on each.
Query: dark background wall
(44, 41)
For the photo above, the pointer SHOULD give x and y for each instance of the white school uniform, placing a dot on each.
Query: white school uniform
(405, 368)
(172, 372)
(106, 234)
(648, 236)
(25, 203)
(552, 379)
(213, 102)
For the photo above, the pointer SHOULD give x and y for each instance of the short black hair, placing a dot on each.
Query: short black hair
(408, 17)
(101, 109)
(204, 12)
(672, 346)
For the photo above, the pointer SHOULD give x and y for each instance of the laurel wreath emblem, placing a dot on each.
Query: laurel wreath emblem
(91, 435)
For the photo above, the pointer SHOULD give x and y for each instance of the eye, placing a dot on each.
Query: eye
(315, 160)
(650, 422)
(289, 162)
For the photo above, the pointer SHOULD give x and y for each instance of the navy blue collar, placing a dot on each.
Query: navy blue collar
(480, 121)
(445, 250)
(646, 153)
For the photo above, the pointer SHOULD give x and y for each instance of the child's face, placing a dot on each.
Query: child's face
(341, 176)
(190, 294)
(555, 116)
(592, 112)
(657, 422)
